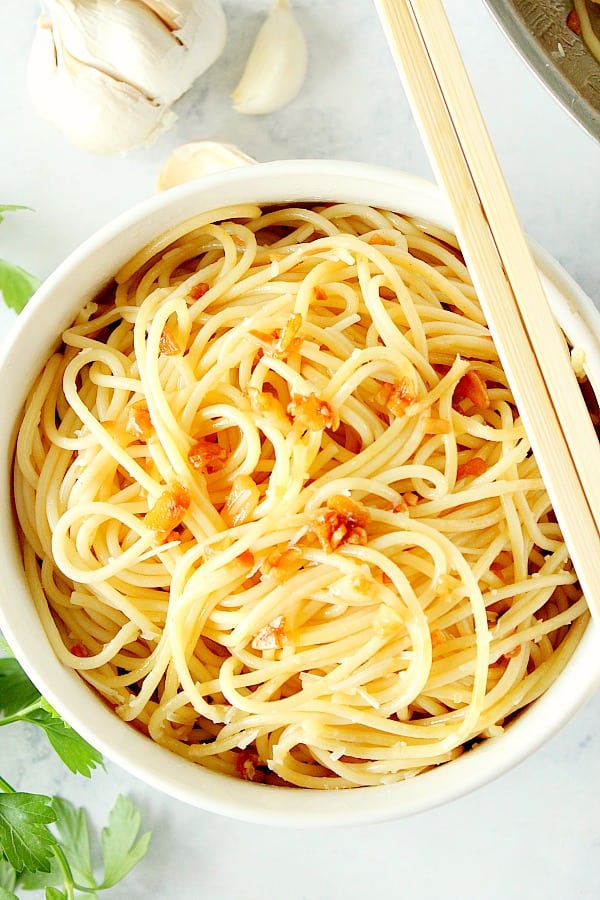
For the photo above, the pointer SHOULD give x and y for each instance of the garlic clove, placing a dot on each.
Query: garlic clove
(93, 110)
(193, 160)
(132, 42)
(276, 67)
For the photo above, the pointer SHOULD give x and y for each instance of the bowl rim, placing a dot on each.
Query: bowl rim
(53, 307)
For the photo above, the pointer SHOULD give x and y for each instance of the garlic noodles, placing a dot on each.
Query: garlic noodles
(279, 510)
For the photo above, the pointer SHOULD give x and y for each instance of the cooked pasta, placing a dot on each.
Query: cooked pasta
(278, 507)
(584, 25)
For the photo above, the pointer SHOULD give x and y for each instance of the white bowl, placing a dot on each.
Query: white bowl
(79, 278)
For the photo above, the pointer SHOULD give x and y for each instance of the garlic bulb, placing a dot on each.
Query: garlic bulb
(276, 66)
(106, 72)
(93, 110)
(191, 161)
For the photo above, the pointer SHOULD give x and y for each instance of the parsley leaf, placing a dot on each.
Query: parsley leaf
(34, 881)
(20, 701)
(72, 827)
(121, 848)
(6, 894)
(8, 876)
(79, 756)
(32, 855)
(16, 285)
(24, 838)
(16, 690)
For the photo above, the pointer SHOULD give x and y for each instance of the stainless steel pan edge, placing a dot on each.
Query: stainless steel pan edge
(538, 30)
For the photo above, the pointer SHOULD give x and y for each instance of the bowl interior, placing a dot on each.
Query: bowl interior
(79, 278)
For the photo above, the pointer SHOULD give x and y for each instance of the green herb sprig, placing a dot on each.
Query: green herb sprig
(16, 285)
(45, 841)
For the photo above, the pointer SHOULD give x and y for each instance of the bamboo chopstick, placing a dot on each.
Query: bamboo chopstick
(531, 347)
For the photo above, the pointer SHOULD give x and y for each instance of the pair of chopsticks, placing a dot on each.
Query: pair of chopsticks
(532, 349)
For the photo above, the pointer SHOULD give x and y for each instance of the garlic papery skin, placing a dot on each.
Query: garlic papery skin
(129, 58)
(128, 40)
(94, 111)
(185, 18)
(276, 67)
(197, 159)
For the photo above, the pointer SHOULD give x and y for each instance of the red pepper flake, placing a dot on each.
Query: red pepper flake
(408, 499)
(198, 290)
(396, 397)
(248, 766)
(474, 466)
(343, 521)
(574, 22)
(282, 561)
(207, 456)
(267, 404)
(138, 422)
(271, 637)
(313, 413)
(282, 342)
(472, 387)
(80, 651)
(246, 559)
(320, 293)
(169, 510)
(167, 345)
(288, 340)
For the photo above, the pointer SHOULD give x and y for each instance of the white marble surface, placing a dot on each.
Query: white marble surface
(536, 831)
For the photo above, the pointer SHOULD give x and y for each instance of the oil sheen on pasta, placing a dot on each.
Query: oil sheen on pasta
(278, 507)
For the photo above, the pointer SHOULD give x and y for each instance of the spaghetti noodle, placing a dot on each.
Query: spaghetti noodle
(278, 507)
(585, 27)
